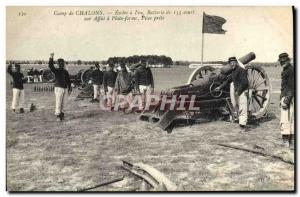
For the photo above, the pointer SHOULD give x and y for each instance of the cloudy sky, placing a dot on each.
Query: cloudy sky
(267, 31)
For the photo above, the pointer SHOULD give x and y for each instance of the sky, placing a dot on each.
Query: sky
(267, 31)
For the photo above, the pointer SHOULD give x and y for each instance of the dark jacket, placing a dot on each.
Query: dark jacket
(97, 77)
(109, 79)
(18, 78)
(240, 80)
(62, 78)
(123, 83)
(143, 76)
(287, 82)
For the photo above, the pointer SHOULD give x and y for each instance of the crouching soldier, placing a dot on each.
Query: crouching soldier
(97, 80)
(62, 86)
(109, 79)
(238, 76)
(123, 88)
(287, 101)
(18, 89)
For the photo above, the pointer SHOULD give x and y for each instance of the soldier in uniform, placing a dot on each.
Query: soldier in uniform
(62, 86)
(144, 82)
(18, 89)
(97, 80)
(109, 80)
(240, 84)
(123, 87)
(287, 101)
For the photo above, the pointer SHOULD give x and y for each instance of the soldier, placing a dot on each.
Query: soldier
(36, 74)
(109, 79)
(41, 75)
(287, 101)
(240, 83)
(29, 75)
(144, 82)
(97, 80)
(123, 87)
(62, 86)
(18, 89)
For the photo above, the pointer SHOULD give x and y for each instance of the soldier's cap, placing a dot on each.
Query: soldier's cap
(283, 57)
(231, 59)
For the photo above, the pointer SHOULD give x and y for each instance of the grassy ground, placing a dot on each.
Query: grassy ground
(86, 149)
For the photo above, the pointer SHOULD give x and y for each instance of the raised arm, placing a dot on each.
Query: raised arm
(51, 63)
(9, 69)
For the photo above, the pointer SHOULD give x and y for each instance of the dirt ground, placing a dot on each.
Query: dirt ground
(86, 148)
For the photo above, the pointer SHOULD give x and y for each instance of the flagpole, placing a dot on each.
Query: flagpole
(202, 45)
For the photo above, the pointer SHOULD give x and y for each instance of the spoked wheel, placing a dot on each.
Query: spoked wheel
(199, 73)
(48, 76)
(259, 91)
(85, 76)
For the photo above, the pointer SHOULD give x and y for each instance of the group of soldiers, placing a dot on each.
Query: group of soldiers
(34, 75)
(111, 84)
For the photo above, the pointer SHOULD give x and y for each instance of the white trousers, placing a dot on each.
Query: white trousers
(35, 78)
(111, 97)
(287, 118)
(96, 90)
(146, 91)
(18, 98)
(61, 97)
(242, 108)
(29, 79)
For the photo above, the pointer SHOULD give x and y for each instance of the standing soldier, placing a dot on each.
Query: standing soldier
(41, 75)
(287, 101)
(29, 75)
(62, 86)
(144, 82)
(123, 87)
(97, 80)
(36, 74)
(109, 79)
(18, 89)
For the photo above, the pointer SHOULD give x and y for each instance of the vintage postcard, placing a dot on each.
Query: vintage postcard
(145, 99)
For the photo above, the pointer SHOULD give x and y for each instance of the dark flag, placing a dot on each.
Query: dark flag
(213, 24)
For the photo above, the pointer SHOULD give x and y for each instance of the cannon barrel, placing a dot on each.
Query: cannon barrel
(247, 58)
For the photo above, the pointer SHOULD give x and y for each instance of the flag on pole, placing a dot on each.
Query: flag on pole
(213, 24)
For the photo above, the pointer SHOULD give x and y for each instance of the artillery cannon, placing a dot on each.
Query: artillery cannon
(200, 89)
(82, 77)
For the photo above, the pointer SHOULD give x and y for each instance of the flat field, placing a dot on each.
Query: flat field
(86, 148)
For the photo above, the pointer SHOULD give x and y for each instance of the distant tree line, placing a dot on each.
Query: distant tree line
(151, 59)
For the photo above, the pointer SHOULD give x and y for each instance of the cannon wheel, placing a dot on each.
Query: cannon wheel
(200, 73)
(259, 91)
(86, 75)
(48, 76)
